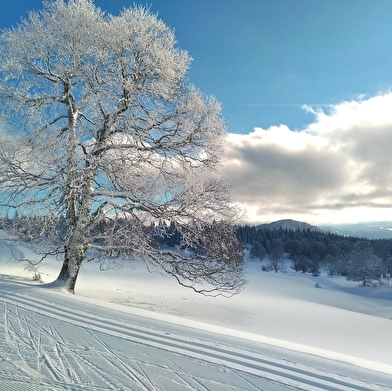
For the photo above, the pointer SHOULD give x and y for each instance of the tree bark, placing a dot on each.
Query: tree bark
(70, 269)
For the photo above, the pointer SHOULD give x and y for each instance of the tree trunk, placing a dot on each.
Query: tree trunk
(69, 271)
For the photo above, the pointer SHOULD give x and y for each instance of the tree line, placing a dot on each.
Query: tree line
(312, 251)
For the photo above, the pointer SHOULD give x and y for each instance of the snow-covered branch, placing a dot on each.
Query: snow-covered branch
(104, 135)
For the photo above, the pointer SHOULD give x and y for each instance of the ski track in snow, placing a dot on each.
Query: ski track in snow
(53, 346)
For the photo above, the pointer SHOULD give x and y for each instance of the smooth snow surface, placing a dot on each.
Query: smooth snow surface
(128, 329)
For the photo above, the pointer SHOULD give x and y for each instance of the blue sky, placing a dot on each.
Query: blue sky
(264, 60)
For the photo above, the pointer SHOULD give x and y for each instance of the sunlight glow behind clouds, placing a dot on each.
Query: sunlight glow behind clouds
(337, 169)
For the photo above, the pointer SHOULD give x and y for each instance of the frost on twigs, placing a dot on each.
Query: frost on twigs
(104, 136)
(211, 264)
(32, 268)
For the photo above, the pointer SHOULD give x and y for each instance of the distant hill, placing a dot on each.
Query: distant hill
(369, 230)
(290, 225)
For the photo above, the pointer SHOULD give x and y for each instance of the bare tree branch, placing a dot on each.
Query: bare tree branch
(114, 139)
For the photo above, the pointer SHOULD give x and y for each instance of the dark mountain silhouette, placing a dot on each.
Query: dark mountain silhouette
(290, 224)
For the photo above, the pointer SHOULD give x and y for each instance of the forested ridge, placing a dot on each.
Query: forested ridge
(310, 249)
(314, 250)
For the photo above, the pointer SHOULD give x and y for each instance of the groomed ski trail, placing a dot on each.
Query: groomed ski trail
(54, 345)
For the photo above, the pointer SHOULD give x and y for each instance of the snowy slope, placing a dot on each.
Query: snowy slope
(131, 330)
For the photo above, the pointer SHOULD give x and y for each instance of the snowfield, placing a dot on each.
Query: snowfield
(128, 329)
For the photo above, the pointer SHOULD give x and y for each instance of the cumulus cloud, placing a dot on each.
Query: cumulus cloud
(338, 168)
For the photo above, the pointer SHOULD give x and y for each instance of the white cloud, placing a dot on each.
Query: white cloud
(339, 168)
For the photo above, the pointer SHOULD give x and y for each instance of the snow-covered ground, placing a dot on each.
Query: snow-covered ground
(128, 329)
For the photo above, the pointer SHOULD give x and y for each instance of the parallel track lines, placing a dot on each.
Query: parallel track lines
(244, 361)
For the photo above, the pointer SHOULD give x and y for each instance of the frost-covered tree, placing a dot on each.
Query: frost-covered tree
(102, 135)
(275, 261)
(382, 248)
(330, 264)
(257, 250)
(363, 265)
